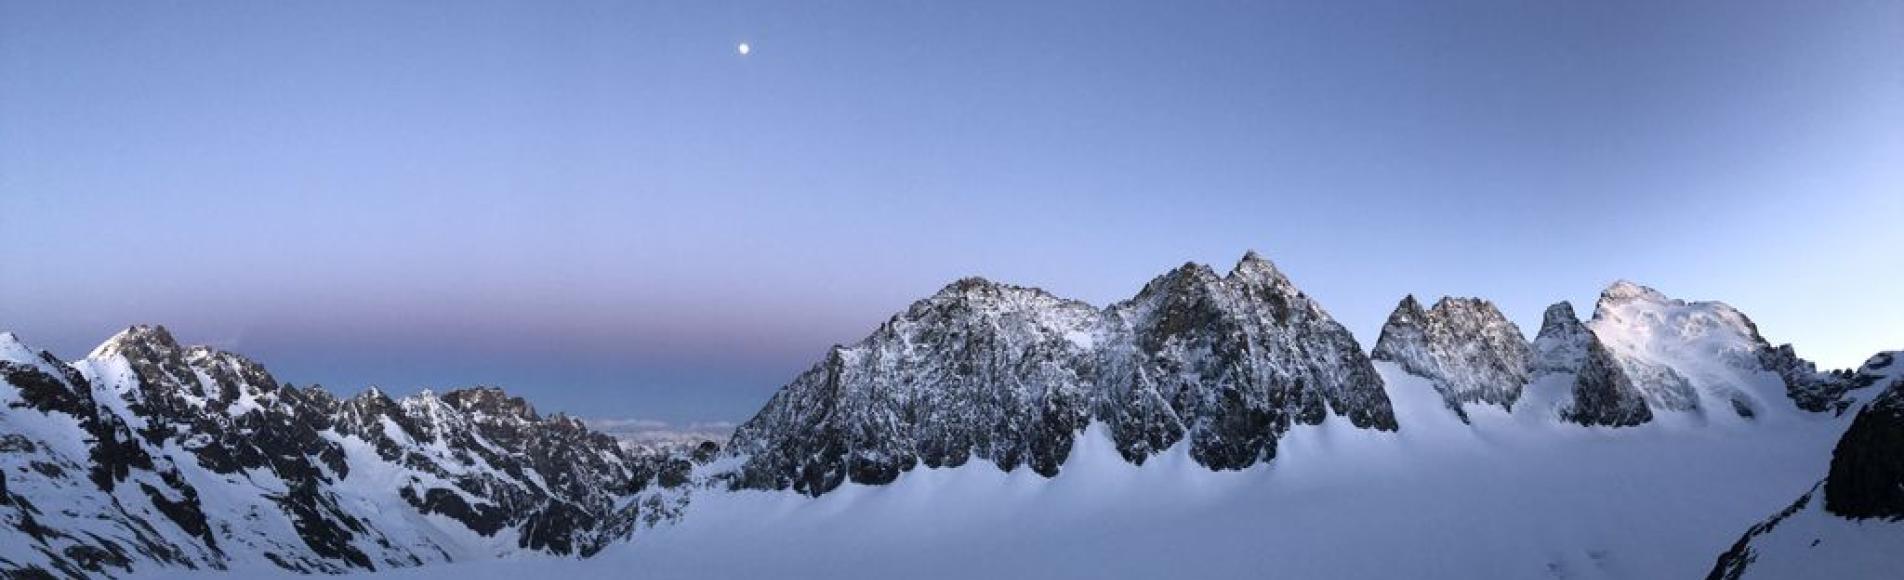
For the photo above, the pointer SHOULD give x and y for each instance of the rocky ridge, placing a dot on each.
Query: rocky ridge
(1470, 351)
(1228, 363)
(148, 453)
(1011, 375)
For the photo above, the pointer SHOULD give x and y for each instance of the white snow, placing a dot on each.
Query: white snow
(1814, 543)
(1518, 495)
(1698, 357)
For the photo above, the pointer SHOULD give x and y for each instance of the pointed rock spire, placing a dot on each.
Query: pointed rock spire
(1255, 267)
(1561, 346)
(140, 338)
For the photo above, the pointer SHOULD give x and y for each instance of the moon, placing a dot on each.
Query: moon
(744, 49)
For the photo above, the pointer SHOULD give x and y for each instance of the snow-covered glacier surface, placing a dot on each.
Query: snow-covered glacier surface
(1508, 496)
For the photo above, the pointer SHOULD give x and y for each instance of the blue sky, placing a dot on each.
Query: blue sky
(606, 208)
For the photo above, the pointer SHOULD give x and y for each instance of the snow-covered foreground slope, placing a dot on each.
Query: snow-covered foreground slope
(1510, 496)
(1851, 524)
(1810, 542)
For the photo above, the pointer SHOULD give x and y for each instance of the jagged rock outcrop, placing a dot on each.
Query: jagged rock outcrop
(1603, 395)
(1229, 362)
(1561, 347)
(981, 369)
(151, 454)
(1867, 466)
(1011, 374)
(1816, 391)
(550, 479)
(1465, 346)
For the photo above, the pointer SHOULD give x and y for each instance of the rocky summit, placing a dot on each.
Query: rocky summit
(1561, 347)
(1705, 359)
(1230, 362)
(981, 369)
(1471, 352)
(1011, 375)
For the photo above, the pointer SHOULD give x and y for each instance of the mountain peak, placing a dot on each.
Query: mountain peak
(1558, 313)
(12, 349)
(490, 400)
(137, 337)
(979, 288)
(1013, 376)
(1455, 303)
(967, 285)
(1691, 356)
(1562, 345)
(1179, 280)
(1255, 267)
(1470, 351)
(1408, 305)
(370, 393)
(1628, 291)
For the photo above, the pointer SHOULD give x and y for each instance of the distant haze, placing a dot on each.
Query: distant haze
(606, 208)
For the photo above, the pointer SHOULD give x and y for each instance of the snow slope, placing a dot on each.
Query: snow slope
(1809, 542)
(1510, 496)
(1850, 525)
(1703, 359)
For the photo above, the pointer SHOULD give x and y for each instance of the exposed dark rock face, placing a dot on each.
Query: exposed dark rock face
(1011, 374)
(979, 369)
(1867, 466)
(1819, 392)
(1603, 395)
(1470, 351)
(51, 386)
(150, 412)
(1561, 346)
(1236, 360)
(550, 478)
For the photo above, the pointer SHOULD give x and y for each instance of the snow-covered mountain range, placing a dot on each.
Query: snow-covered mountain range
(148, 456)
(1012, 375)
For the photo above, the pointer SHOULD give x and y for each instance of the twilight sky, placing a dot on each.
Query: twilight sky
(606, 208)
